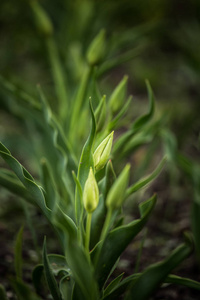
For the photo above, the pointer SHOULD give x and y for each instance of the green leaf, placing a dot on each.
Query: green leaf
(21, 94)
(137, 125)
(86, 161)
(53, 287)
(58, 264)
(3, 295)
(141, 121)
(49, 185)
(37, 276)
(66, 287)
(183, 281)
(114, 283)
(113, 124)
(26, 179)
(77, 260)
(145, 181)
(23, 291)
(10, 181)
(117, 241)
(150, 280)
(18, 253)
(61, 150)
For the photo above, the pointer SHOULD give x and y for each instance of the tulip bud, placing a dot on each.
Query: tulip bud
(90, 193)
(102, 152)
(117, 191)
(96, 49)
(42, 20)
(116, 100)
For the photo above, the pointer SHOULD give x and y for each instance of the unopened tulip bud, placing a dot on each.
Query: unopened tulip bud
(117, 191)
(96, 49)
(42, 20)
(102, 152)
(90, 193)
(117, 98)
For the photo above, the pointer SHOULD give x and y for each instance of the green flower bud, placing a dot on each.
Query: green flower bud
(117, 191)
(96, 49)
(100, 114)
(90, 193)
(116, 100)
(42, 20)
(102, 152)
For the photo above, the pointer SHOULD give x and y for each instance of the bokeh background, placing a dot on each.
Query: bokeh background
(154, 40)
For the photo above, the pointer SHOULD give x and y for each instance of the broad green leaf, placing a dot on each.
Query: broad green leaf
(150, 280)
(117, 241)
(3, 295)
(26, 179)
(23, 290)
(66, 287)
(58, 264)
(51, 281)
(146, 180)
(77, 260)
(82, 271)
(86, 161)
(18, 253)
(37, 277)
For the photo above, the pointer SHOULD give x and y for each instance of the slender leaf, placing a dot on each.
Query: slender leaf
(183, 281)
(26, 179)
(52, 284)
(117, 240)
(148, 179)
(23, 291)
(137, 125)
(149, 281)
(114, 283)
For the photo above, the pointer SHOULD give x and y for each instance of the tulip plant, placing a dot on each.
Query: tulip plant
(82, 190)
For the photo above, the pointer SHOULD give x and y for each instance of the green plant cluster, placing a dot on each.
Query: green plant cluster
(83, 187)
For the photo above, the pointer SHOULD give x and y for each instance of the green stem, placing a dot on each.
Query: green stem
(87, 236)
(106, 225)
(140, 251)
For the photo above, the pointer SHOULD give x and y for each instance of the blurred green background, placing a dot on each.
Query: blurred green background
(162, 37)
